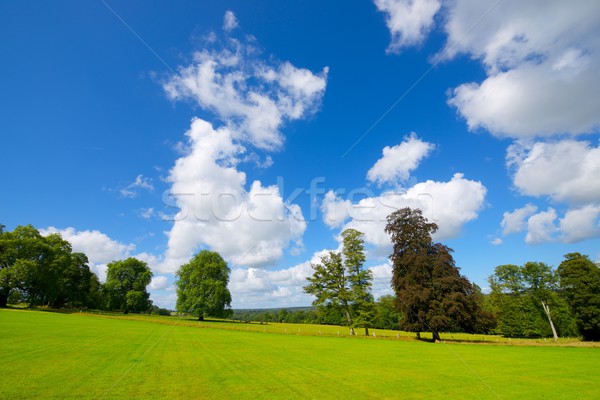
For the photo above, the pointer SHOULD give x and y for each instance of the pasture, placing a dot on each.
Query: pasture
(53, 355)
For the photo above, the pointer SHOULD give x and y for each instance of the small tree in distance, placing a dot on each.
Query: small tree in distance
(202, 286)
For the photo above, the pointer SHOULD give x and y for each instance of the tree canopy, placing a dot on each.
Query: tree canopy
(125, 287)
(202, 286)
(580, 283)
(527, 302)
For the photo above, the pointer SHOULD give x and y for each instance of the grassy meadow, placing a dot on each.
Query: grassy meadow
(53, 355)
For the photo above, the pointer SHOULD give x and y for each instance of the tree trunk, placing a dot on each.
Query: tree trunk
(349, 318)
(352, 333)
(366, 331)
(200, 317)
(3, 300)
(435, 336)
(547, 311)
(418, 335)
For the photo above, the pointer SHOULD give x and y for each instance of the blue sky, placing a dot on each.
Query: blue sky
(157, 130)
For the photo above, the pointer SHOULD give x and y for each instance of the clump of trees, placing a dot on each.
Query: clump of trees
(44, 271)
(341, 283)
(534, 300)
(527, 302)
(430, 291)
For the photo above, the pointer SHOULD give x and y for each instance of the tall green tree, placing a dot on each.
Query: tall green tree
(432, 294)
(202, 286)
(360, 279)
(329, 284)
(341, 284)
(580, 284)
(125, 286)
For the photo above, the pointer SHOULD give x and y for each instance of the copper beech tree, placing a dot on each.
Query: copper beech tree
(431, 293)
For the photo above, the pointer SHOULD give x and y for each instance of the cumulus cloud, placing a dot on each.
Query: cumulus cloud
(99, 248)
(409, 21)
(399, 161)
(249, 227)
(250, 95)
(382, 277)
(158, 283)
(516, 221)
(541, 59)
(449, 204)
(577, 224)
(541, 227)
(566, 171)
(260, 288)
(580, 224)
(141, 183)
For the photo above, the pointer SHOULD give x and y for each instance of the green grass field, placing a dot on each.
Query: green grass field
(52, 355)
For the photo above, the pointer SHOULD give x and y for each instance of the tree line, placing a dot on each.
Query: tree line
(431, 295)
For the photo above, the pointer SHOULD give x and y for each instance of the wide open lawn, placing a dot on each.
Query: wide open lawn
(51, 355)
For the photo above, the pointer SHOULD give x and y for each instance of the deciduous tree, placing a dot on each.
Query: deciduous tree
(202, 286)
(340, 282)
(126, 283)
(432, 294)
(580, 283)
(359, 279)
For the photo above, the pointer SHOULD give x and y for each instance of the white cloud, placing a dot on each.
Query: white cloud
(248, 227)
(230, 21)
(409, 21)
(566, 171)
(158, 283)
(97, 246)
(515, 221)
(580, 224)
(449, 204)
(382, 277)
(496, 241)
(399, 161)
(147, 213)
(541, 59)
(141, 183)
(259, 288)
(541, 227)
(251, 96)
